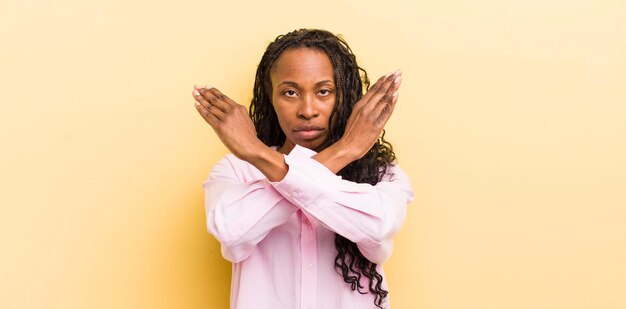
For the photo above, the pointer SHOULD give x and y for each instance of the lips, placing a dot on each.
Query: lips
(308, 131)
(308, 127)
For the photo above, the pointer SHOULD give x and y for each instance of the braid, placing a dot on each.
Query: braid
(350, 79)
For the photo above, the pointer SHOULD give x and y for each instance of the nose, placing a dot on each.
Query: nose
(308, 107)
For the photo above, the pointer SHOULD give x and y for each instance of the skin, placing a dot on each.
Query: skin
(304, 97)
(299, 78)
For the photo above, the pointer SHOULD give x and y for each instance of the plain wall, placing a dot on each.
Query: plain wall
(511, 123)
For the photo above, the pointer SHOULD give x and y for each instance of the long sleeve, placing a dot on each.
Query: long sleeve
(366, 215)
(241, 213)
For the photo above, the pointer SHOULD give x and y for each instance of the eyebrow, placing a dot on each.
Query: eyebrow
(288, 82)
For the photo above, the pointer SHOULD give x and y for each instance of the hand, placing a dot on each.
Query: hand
(229, 120)
(370, 114)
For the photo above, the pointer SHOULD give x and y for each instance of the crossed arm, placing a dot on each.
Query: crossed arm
(241, 213)
(235, 129)
(365, 214)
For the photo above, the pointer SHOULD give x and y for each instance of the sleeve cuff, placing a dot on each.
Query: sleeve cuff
(301, 185)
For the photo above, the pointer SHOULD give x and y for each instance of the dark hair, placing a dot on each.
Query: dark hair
(350, 262)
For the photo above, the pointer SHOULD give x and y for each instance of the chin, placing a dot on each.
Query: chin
(313, 145)
(318, 146)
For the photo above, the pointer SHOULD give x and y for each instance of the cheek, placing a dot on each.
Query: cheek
(330, 107)
(337, 110)
(282, 113)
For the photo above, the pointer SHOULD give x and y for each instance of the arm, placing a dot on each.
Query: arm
(236, 130)
(240, 214)
(372, 228)
(365, 214)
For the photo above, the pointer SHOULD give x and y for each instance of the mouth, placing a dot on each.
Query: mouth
(308, 131)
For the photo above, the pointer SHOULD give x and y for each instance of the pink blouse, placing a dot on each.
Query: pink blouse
(280, 236)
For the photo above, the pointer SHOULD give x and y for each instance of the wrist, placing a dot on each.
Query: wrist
(269, 162)
(346, 151)
(256, 153)
(350, 151)
(336, 156)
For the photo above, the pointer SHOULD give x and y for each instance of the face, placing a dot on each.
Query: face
(303, 95)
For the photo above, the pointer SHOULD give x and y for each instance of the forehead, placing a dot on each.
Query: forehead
(302, 65)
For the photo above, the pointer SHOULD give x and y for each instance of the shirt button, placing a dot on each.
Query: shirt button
(295, 194)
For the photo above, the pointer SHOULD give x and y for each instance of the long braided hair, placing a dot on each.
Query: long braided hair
(349, 262)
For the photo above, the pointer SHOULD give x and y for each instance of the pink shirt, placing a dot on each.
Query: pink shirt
(280, 236)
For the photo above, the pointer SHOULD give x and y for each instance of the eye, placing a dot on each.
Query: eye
(289, 93)
(325, 92)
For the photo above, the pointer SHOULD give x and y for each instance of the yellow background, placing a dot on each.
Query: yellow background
(511, 123)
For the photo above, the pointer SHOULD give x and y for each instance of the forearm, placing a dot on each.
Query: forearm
(241, 208)
(272, 164)
(361, 212)
(335, 157)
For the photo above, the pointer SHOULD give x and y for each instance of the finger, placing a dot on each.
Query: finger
(225, 103)
(385, 92)
(208, 105)
(214, 100)
(221, 96)
(216, 112)
(382, 88)
(370, 92)
(208, 117)
(395, 86)
(375, 86)
(210, 110)
(384, 111)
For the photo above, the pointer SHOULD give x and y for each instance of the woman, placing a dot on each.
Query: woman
(306, 206)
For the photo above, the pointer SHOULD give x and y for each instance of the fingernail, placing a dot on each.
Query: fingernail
(197, 103)
(208, 87)
(387, 75)
(196, 86)
(397, 80)
(397, 72)
(394, 95)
